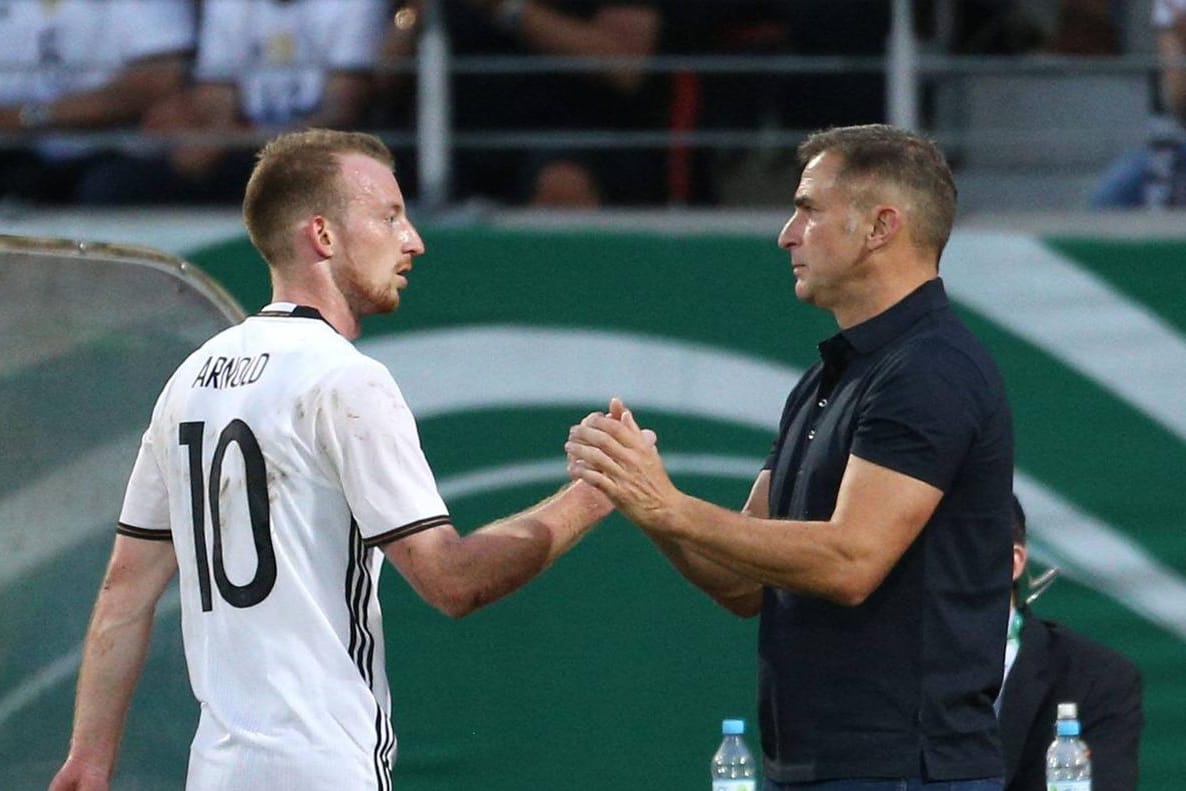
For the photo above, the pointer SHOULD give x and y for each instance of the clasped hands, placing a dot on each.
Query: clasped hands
(612, 453)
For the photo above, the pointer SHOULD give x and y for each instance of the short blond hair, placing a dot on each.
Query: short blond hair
(297, 175)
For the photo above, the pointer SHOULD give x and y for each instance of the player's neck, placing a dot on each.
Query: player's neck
(332, 307)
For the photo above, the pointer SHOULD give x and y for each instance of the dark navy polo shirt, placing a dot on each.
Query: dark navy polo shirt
(906, 680)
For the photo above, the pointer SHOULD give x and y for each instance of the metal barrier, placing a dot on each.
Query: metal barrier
(88, 335)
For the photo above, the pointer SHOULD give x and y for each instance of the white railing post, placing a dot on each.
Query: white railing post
(433, 125)
(901, 78)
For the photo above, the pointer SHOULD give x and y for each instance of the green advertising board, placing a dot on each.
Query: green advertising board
(610, 670)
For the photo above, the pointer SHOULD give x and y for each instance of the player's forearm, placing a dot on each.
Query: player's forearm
(561, 520)
(501, 557)
(113, 658)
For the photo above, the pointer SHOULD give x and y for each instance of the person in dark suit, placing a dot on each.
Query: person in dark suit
(1047, 663)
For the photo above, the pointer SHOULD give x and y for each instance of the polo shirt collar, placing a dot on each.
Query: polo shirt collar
(872, 334)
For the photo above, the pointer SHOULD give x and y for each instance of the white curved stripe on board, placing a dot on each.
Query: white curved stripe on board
(490, 479)
(458, 369)
(1062, 534)
(452, 370)
(63, 668)
(95, 480)
(470, 369)
(1073, 316)
(1101, 557)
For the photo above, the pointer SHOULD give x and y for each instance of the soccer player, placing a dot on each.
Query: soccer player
(280, 467)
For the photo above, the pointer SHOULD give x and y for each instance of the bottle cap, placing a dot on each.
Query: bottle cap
(733, 727)
(1068, 711)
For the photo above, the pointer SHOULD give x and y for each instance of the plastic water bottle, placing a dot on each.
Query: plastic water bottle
(1068, 761)
(733, 764)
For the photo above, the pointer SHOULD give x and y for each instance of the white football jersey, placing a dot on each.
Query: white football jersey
(277, 460)
(280, 54)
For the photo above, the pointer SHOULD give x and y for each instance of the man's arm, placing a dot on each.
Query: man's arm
(343, 102)
(113, 656)
(878, 514)
(122, 101)
(617, 29)
(735, 592)
(212, 107)
(459, 574)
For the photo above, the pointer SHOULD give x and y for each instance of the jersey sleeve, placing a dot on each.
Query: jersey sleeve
(370, 437)
(145, 511)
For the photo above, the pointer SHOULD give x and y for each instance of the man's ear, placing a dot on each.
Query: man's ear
(887, 223)
(1020, 555)
(320, 236)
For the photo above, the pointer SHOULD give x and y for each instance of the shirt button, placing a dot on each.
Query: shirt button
(823, 402)
(811, 434)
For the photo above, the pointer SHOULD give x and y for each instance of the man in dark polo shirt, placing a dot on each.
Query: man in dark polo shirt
(876, 540)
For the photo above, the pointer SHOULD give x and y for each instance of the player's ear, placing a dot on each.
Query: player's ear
(320, 235)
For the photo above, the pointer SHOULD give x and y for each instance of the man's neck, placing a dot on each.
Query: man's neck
(878, 298)
(333, 308)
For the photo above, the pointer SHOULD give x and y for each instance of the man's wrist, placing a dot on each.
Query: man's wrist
(35, 115)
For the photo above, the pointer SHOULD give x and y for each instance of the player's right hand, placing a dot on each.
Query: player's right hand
(77, 776)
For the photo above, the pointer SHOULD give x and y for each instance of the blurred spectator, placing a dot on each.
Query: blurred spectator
(619, 98)
(1155, 176)
(1013, 27)
(1087, 27)
(1047, 663)
(803, 101)
(77, 65)
(989, 27)
(262, 66)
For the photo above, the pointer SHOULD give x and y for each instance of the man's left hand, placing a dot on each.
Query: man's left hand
(614, 454)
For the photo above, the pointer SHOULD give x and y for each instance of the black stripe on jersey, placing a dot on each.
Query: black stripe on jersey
(299, 312)
(360, 587)
(383, 749)
(358, 592)
(408, 529)
(143, 532)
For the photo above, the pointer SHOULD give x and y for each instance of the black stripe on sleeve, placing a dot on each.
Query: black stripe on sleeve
(408, 529)
(143, 532)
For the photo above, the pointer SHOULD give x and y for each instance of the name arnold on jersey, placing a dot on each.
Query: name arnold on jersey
(220, 372)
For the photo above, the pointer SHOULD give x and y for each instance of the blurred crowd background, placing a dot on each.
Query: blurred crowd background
(1040, 104)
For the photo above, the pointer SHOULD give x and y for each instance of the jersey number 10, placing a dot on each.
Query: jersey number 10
(256, 484)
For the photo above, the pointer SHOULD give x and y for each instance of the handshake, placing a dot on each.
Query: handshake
(613, 454)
